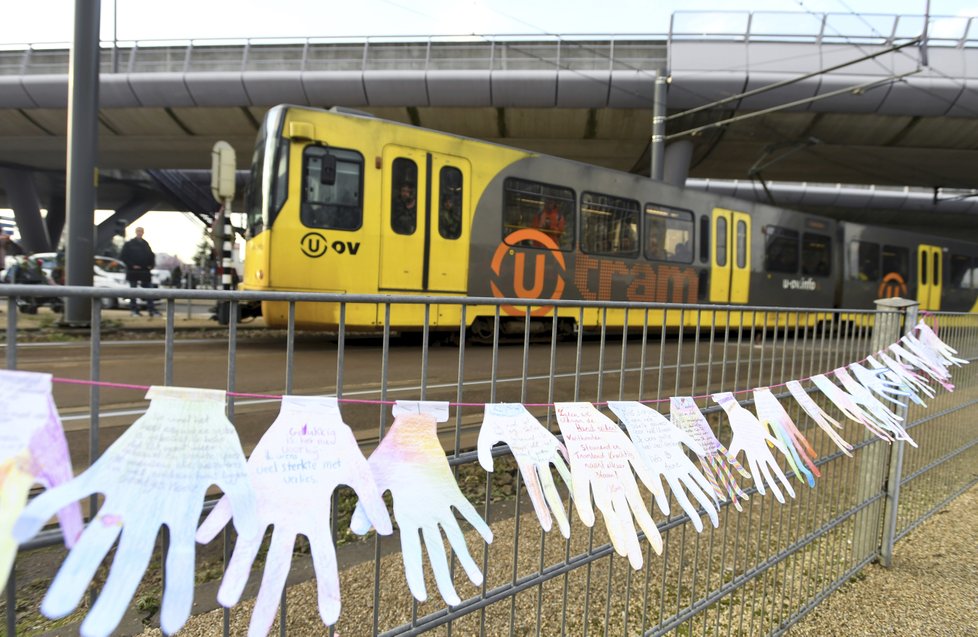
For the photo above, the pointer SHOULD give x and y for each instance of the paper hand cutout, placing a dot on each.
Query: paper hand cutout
(821, 418)
(885, 418)
(942, 353)
(411, 463)
(535, 449)
(156, 473)
(901, 376)
(716, 459)
(750, 437)
(601, 462)
(659, 443)
(771, 414)
(32, 449)
(916, 358)
(848, 406)
(297, 464)
(880, 383)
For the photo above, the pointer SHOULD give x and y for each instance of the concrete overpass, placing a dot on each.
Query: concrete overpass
(890, 117)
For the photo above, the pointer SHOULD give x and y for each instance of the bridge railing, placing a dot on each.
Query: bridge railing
(757, 572)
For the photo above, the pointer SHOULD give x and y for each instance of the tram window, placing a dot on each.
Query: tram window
(704, 238)
(937, 268)
(404, 196)
(450, 203)
(864, 260)
(896, 259)
(781, 250)
(721, 241)
(816, 254)
(338, 205)
(609, 225)
(668, 234)
(961, 272)
(529, 205)
(280, 186)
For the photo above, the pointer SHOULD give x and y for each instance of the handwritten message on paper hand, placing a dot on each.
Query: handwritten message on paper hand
(294, 469)
(156, 473)
(534, 449)
(33, 449)
(751, 437)
(601, 462)
(716, 459)
(411, 463)
(659, 442)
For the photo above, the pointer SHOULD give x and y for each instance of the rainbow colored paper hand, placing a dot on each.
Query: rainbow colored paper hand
(32, 449)
(601, 462)
(659, 443)
(817, 414)
(535, 449)
(772, 415)
(750, 436)
(297, 464)
(411, 463)
(716, 460)
(156, 473)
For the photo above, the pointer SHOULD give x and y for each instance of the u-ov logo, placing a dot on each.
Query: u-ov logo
(313, 245)
(892, 286)
(539, 269)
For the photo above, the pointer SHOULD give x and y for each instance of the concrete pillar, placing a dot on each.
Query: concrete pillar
(23, 198)
(55, 219)
(129, 212)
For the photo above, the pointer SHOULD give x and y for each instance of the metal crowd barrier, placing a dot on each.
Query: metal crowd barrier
(758, 573)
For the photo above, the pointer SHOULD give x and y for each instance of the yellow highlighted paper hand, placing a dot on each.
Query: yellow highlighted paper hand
(411, 463)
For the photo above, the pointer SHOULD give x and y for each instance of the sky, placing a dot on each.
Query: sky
(50, 21)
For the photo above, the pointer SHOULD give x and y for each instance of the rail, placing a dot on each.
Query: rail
(758, 572)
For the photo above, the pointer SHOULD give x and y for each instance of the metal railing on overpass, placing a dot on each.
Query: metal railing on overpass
(498, 52)
(757, 572)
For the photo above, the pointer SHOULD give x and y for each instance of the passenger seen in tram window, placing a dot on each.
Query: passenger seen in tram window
(449, 218)
(551, 220)
(404, 210)
(653, 249)
(683, 252)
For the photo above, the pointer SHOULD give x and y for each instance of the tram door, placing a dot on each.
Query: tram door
(930, 274)
(422, 235)
(730, 257)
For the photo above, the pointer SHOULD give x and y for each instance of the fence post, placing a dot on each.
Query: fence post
(896, 464)
(876, 460)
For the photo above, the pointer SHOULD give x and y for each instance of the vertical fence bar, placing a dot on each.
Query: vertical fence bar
(283, 612)
(11, 354)
(231, 379)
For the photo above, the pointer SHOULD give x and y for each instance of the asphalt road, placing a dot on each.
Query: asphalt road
(471, 374)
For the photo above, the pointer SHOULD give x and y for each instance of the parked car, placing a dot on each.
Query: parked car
(108, 273)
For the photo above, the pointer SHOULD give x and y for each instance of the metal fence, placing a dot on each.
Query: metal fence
(758, 572)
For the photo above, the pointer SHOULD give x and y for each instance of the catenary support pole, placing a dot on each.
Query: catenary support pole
(657, 153)
(82, 153)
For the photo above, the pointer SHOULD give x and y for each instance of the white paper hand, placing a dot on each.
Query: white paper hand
(601, 462)
(848, 406)
(822, 419)
(33, 450)
(659, 443)
(716, 461)
(411, 463)
(156, 473)
(879, 382)
(750, 437)
(941, 350)
(306, 453)
(885, 418)
(901, 376)
(534, 449)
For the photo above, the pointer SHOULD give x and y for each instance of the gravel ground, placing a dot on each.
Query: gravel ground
(932, 588)
(930, 591)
